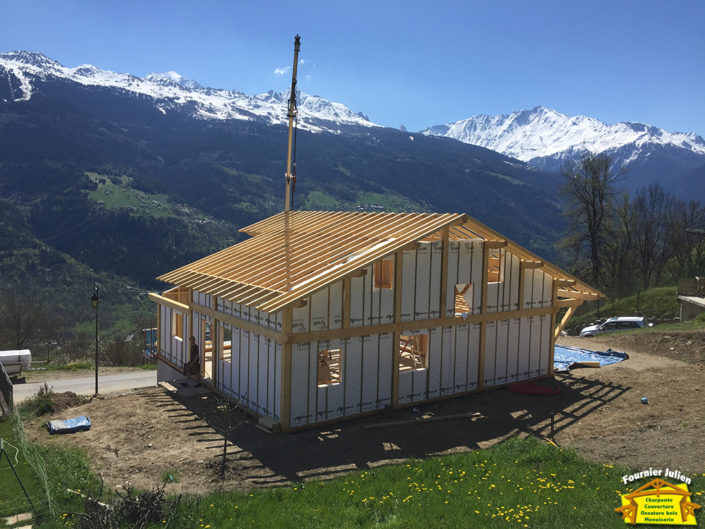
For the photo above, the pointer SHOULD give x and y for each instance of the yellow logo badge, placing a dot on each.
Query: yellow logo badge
(659, 502)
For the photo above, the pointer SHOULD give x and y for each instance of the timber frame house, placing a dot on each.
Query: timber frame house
(321, 316)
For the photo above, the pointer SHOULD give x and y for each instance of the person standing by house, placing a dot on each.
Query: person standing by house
(193, 367)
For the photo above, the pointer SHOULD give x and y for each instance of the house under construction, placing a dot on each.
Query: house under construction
(320, 316)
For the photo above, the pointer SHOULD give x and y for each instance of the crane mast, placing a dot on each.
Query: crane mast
(292, 116)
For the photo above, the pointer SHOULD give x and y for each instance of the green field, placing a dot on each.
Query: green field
(520, 483)
(117, 193)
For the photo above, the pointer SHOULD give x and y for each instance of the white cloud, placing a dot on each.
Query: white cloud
(282, 70)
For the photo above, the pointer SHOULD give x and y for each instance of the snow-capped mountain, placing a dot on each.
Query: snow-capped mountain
(173, 92)
(546, 138)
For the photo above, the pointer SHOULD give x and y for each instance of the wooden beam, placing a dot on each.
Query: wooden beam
(285, 405)
(364, 330)
(562, 303)
(531, 264)
(522, 283)
(159, 328)
(396, 334)
(483, 322)
(216, 341)
(279, 337)
(564, 320)
(576, 295)
(564, 282)
(168, 302)
(444, 273)
(495, 244)
(552, 350)
(347, 285)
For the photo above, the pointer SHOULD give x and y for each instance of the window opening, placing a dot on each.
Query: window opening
(177, 326)
(227, 335)
(494, 266)
(413, 352)
(384, 273)
(329, 366)
(463, 300)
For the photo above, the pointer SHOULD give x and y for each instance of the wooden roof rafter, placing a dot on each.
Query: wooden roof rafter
(292, 255)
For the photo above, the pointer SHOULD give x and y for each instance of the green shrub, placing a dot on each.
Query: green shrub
(38, 405)
(76, 365)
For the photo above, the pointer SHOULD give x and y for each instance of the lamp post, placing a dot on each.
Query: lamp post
(94, 303)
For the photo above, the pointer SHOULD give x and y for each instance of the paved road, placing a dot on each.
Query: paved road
(86, 385)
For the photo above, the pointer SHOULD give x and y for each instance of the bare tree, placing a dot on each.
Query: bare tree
(688, 249)
(619, 251)
(589, 189)
(23, 320)
(651, 241)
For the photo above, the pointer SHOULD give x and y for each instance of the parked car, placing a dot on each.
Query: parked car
(620, 323)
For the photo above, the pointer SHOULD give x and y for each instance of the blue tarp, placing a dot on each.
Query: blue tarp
(566, 357)
(77, 424)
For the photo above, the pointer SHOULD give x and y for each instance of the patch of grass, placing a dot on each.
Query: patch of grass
(12, 499)
(318, 200)
(48, 472)
(507, 178)
(520, 483)
(38, 405)
(692, 325)
(76, 365)
(116, 193)
(148, 367)
(389, 201)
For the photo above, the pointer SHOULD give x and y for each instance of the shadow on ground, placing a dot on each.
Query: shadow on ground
(260, 459)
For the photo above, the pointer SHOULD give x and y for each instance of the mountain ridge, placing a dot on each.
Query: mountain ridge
(171, 90)
(545, 138)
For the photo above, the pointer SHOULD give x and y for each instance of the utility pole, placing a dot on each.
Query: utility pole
(95, 300)
(292, 115)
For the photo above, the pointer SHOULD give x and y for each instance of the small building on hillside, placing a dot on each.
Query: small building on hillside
(322, 315)
(691, 297)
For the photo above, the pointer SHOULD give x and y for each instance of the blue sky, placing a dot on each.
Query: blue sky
(400, 62)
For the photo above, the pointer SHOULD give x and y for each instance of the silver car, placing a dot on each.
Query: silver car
(620, 323)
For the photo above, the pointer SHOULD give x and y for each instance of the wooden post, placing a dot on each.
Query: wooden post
(564, 320)
(159, 329)
(190, 317)
(396, 335)
(522, 282)
(285, 415)
(216, 342)
(444, 274)
(483, 322)
(552, 352)
(347, 285)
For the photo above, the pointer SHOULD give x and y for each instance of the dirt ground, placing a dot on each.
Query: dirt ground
(45, 375)
(139, 437)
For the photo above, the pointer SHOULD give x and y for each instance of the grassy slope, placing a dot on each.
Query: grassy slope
(12, 500)
(520, 483)
(656, 304)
